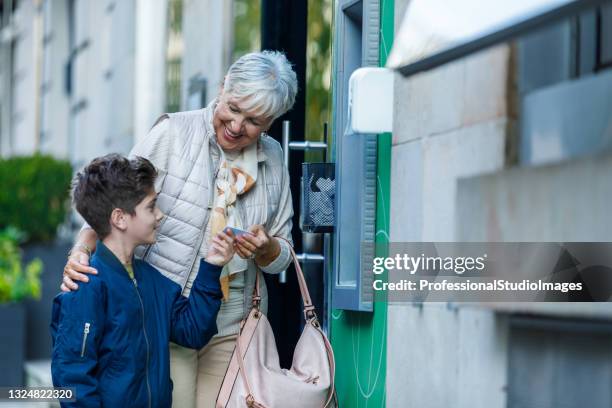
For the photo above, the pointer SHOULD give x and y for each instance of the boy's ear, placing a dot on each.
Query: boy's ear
(118, 219)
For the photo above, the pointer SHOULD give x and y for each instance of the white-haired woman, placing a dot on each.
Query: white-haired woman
(217, 167)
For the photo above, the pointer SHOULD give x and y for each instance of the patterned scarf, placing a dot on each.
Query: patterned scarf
(235, 177)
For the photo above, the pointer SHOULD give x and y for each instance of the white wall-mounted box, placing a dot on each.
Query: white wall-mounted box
(371, 100)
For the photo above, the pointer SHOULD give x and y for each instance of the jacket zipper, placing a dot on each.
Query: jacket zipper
(144, 329)
(85, 333)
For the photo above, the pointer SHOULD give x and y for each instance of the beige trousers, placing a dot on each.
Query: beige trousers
(197, 375)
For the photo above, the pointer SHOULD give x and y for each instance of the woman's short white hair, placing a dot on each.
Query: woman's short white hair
(264, 81)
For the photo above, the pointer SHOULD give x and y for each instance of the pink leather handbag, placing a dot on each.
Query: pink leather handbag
(254, 377)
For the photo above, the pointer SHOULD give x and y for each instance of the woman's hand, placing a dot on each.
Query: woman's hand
(258, 246)
(221, 249)
(76, 267)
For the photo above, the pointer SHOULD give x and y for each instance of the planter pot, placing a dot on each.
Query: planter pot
(38, 336)
(12, 344)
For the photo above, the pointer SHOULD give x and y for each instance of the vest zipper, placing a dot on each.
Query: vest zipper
(144, 329)
(85, 333)
(241, 212)
(245, 294)
(211, 198)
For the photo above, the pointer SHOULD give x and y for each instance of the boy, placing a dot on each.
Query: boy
(110, 338)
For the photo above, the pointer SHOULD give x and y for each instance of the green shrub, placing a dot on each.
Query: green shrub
(17, 282)
(33, 195)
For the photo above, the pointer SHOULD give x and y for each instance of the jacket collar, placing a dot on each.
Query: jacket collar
(208, 120)
(104, 254)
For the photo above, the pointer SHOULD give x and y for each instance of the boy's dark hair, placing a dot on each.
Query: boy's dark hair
(110, 182)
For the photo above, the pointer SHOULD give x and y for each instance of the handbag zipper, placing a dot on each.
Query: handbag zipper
(144, 329)
(85, 333)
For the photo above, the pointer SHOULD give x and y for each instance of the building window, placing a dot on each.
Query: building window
(575, 48)
(605, 36)
(557, 66)
(559, 363)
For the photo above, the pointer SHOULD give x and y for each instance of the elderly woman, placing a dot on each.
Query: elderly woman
(217, 167)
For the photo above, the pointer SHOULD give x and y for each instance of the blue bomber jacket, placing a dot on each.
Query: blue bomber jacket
(111, 337)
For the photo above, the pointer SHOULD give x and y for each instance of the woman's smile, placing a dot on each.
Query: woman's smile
(230, 135)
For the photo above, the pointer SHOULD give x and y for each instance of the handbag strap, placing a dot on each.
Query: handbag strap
(309, 309)
(250, 399)
(332, 367)
(311, 317)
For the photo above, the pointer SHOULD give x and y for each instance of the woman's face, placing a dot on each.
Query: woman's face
(235, 127)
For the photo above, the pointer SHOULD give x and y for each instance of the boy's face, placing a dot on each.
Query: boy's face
(142, 226)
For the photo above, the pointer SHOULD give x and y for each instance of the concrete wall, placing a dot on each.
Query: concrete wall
(450, 123)
(455, 177)
(552, 203)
